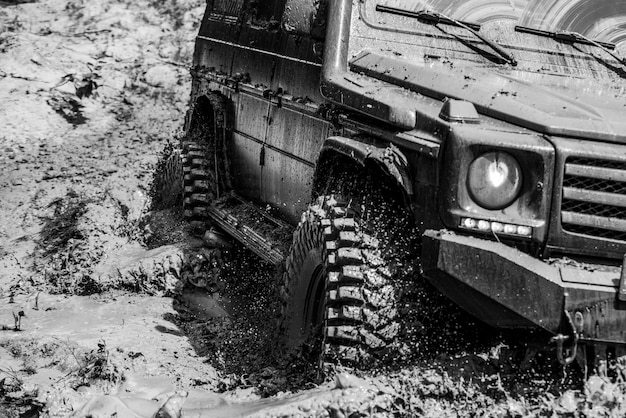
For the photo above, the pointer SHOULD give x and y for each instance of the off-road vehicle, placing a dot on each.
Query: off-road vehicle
(478, 144)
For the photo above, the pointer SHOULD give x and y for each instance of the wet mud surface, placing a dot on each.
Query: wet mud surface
(108, 307)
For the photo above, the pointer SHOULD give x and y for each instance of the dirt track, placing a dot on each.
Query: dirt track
(104, 283)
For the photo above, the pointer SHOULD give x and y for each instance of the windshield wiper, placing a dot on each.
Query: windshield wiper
(574, 37)
(436, 17)
(424, 15)
(580, 38)
(564, 36)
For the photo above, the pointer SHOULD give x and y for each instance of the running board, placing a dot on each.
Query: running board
(262, 233)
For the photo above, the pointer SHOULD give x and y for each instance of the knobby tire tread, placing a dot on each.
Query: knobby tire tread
(200, 185)
(360, 319)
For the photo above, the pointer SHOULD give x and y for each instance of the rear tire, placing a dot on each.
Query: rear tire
(197, 180)
(206, 168)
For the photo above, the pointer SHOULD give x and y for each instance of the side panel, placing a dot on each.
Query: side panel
(293, 143)
(221, 21)
(245, 169)
(251, 115)
(250, 64)
(296, 130)
(299, 74)
(218, 57)
(272, 79)
(260, 31)
(248, 133)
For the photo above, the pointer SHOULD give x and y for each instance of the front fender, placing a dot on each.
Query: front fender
(388, 157)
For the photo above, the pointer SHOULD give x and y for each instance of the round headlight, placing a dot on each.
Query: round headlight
(494, 180)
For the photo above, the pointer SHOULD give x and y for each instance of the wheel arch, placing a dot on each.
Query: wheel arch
(203, 103)
(205, 154)
(387, 158)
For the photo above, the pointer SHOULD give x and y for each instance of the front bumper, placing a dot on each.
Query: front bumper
(509, 289)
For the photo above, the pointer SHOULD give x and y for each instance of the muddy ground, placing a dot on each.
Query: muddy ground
(109, 307)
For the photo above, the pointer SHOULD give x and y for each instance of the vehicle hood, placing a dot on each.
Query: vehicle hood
(548, 103)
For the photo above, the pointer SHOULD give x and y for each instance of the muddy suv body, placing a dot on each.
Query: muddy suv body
(510, 157)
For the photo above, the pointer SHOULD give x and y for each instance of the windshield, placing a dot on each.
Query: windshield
(601, 20)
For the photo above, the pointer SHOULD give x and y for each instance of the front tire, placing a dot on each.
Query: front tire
(340, 289)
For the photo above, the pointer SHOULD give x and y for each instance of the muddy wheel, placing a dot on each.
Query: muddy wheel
(197, 181)
(206, 173)
(341, 289)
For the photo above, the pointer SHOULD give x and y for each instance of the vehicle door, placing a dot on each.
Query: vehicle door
(296, 128)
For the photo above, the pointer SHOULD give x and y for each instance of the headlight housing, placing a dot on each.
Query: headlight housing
(521, 196)
(494, 180)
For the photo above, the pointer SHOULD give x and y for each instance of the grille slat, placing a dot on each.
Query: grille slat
(592, 221)
(594, 198)
(602, 173)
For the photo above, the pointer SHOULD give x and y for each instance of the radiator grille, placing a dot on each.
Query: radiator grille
(595, 184)
(594, 198)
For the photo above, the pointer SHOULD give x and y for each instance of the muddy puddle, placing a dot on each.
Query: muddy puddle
(86, 319)
(73, 348)
(197, 403)
(60, 335)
